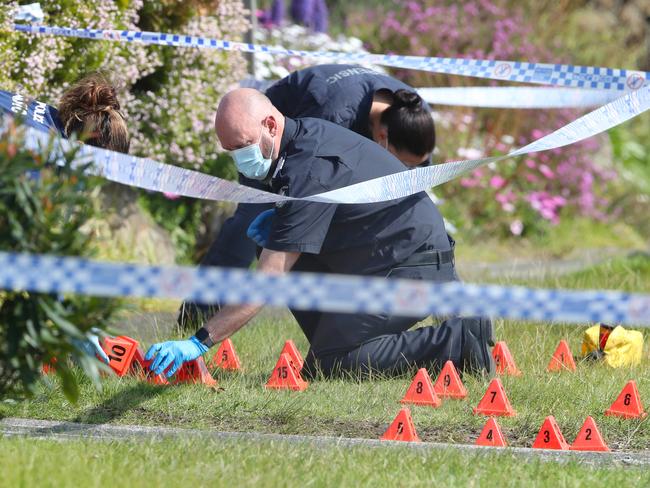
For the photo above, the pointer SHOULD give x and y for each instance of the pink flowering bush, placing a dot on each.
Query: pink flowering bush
(45, 66)
(169, 95)
(513, 196)
(529, 193)
(177, 120)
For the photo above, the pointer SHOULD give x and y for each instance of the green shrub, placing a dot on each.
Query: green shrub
(43, 209)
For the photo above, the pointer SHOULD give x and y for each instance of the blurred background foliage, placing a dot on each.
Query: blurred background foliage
(601, 179)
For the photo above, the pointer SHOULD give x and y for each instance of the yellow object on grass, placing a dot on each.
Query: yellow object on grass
(617, 346)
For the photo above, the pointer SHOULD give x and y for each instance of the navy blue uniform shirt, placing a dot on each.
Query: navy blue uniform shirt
(340, 93)
(317, 156)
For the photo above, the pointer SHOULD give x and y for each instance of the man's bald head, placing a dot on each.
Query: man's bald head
(243, 114)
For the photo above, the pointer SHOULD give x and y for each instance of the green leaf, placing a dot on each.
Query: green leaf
(68, 383)
(62, 323)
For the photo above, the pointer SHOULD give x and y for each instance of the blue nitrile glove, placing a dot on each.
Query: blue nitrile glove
(177, 352)
(91, 346)
(260, 227)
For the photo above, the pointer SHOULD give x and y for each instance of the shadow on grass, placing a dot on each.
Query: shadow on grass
(119, 404)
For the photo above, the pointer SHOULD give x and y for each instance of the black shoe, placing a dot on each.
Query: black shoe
(192, 315)
(478, 336)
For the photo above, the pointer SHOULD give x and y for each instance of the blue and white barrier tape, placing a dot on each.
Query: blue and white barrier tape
(328, 293)
(565, 75)
(521, 97)
(30, 13)
(152, 175)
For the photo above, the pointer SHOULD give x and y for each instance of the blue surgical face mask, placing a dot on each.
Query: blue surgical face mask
(250, 162)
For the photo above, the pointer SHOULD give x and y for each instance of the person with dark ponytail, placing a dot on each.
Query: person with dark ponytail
(400, 122)
(370, 103)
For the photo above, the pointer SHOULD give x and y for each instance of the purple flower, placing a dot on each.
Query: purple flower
(310, 13)
(531, 178)
(276, 15)
(302, 11)
(468, 183)
(320, 17)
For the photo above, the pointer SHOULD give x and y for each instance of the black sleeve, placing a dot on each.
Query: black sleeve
(300, 226)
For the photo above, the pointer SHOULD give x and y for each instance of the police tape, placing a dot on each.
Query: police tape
(153, 175)
(324, 292)
(519, 97)
(566, 75)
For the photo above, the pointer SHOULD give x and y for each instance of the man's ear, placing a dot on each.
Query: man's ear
(272, 125)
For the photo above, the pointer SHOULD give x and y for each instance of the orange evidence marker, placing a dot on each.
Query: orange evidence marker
(50, 367)
(505, 362)
(120, 351)
(402, 428)
(195, 371)
(562, 358)
(589, 438)
(550, 436)
(421, 390)
(448, 384)
(226, 357)
(293, 352)
(628, 404)
(491, 435)
(285, 376)
(140, 368)
(495, 401)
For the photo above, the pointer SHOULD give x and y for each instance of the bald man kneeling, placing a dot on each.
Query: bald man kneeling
(402, 238)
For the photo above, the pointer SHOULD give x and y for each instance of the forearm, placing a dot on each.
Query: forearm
(229, 320)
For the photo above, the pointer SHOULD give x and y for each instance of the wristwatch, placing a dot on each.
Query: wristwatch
(204, 337)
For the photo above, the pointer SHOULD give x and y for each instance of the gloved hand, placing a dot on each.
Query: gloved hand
(260, 227)
(176, 352)
(91, 345)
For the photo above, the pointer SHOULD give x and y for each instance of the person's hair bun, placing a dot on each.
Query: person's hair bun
(97, 94)
(91, 108)
(90, 95)
(407, 98)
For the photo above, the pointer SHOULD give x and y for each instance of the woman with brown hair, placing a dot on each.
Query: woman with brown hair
(90, 109)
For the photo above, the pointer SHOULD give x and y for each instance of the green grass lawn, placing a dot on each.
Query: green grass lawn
(244, 463)
(347, 407)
